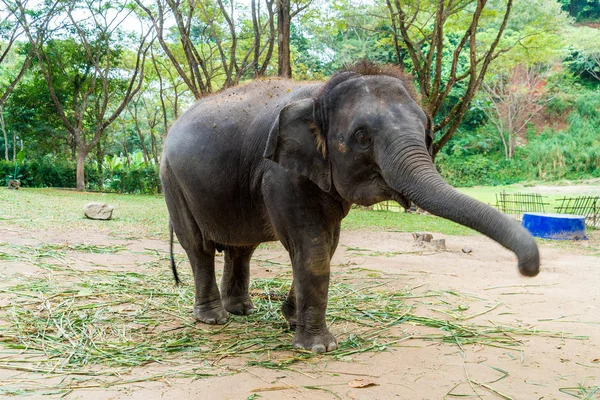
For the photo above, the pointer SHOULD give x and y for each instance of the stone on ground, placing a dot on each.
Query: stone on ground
(98, 211)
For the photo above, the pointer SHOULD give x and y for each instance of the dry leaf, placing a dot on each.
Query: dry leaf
(361, 383)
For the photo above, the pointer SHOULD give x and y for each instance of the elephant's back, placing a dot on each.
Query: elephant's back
(220, 127)
(214, 154)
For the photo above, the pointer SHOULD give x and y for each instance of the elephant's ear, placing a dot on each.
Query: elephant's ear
(296, 143)
(429, 135)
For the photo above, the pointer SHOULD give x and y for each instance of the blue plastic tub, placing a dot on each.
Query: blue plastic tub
(555, 226)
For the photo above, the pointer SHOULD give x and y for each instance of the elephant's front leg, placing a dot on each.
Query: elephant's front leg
(289, 305)
(311, 283)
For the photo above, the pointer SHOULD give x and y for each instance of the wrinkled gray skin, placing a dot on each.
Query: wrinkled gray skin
(283, 160)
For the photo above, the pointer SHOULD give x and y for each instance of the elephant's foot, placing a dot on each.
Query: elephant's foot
(316, 342)
(289, 312)
(239, 305)
(210, 313)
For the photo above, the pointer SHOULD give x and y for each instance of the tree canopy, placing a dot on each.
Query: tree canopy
(86, 81)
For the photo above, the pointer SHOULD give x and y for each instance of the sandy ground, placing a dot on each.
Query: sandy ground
(564, 299)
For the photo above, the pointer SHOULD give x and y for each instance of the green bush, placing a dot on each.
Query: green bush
(118, 176)
(128, 176)
(476, 158)
(44, 172)
(480, 169)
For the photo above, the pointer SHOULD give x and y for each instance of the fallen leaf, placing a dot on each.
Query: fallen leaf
(361, 383)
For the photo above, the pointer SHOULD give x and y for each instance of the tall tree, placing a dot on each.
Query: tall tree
(513, 100)
(258, 29)
(217, 43)
(10, 31)
(284, 64)
(284, 19)
(88, 62)
(420, 35)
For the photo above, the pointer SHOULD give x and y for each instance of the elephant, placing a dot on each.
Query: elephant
(283, 160)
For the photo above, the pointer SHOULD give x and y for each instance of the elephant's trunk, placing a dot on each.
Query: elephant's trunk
(414, 177)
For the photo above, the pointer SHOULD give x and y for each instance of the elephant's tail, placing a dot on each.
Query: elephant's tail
(173, 266)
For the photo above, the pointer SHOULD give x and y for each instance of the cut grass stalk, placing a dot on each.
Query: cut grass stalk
(80, 323)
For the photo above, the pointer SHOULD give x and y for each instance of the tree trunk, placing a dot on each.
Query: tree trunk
(142, 138)
(4, 133)
(127, 158)
(283, 38)
(14, 147)
(99, 160)
(154, 146)
(80, 179)
(256, 31)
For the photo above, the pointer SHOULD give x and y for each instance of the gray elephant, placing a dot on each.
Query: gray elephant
(283, 160)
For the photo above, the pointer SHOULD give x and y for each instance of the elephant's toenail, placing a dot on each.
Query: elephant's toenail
(318, 348)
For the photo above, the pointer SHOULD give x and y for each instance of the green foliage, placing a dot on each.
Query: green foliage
(137, 177)
(480, 169)
(43, 172)
(582, 10)
(127, 176)
(583, 64)
(574, 153)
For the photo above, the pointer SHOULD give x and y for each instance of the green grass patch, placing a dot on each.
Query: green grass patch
(402, 222)
(138, 216)
(59, 209)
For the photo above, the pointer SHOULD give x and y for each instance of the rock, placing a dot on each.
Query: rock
(98, 210)
(422, 237)
(439, 244)
(14, 184)
(467, 250)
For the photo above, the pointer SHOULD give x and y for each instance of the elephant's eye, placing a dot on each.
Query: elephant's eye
(362, 137)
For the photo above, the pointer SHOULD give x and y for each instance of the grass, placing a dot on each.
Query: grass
(95, 327)
(487, 194)
(401, 222)
(146, 216)
(42, 209)
(87, 330)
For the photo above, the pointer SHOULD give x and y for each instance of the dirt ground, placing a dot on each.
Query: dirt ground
(564, 299)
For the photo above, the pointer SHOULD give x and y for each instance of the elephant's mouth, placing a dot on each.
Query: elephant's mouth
(402, 200)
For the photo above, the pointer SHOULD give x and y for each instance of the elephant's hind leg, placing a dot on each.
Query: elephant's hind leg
(289, 308)
(207, 305)
(201, 254)
(236, 280)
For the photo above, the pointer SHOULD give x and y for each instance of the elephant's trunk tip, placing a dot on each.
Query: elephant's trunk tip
(530, 266)
(529, 255)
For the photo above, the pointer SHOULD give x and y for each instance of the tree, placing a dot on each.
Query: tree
(10, 31)
(284, 65)
(420, 38)
(88, 63)
(216, 46)
(284, 18)
(171, 88)
(258, 28)
(513, 100)
(582, 10)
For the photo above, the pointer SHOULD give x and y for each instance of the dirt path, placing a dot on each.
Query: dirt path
(479, 288)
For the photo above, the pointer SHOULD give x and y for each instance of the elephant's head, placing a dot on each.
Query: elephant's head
(365, 136)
